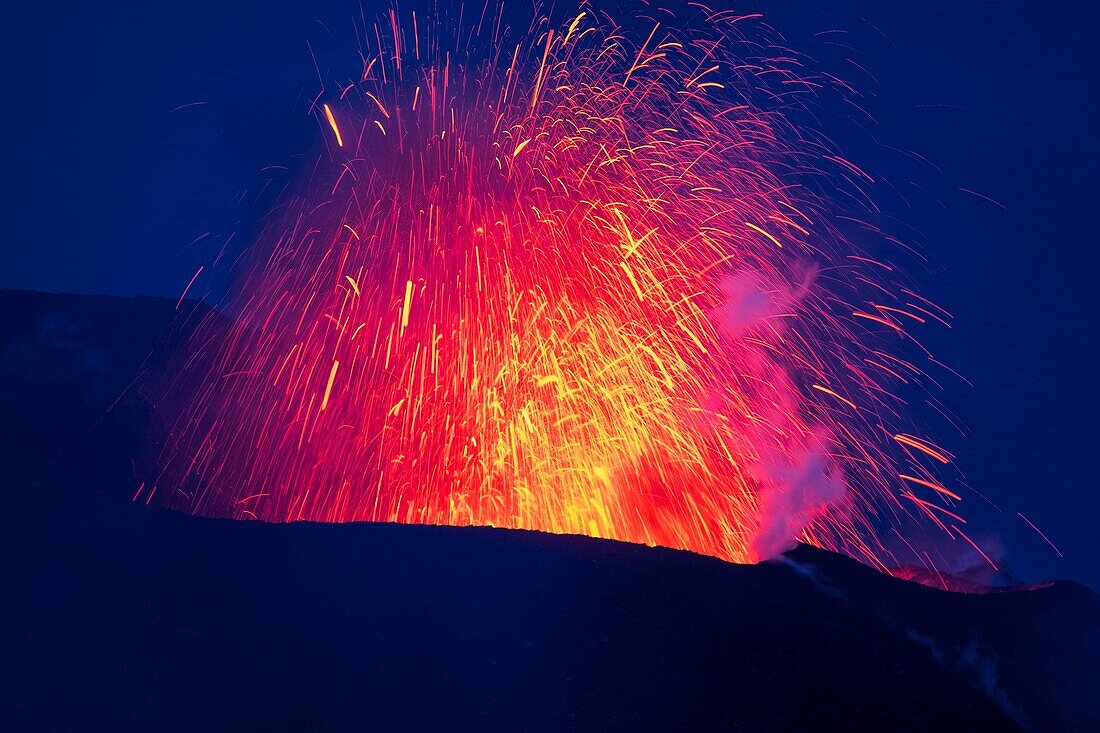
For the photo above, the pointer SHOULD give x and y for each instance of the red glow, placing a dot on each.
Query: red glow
(579, 282)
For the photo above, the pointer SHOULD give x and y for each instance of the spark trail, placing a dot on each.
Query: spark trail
(580, 279)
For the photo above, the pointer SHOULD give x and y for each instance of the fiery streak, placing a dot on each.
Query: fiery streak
(973, 544)
(333, 125)
(1041, 534)
(189, 284)
(930, 485)
(583, 299)
(328, 387)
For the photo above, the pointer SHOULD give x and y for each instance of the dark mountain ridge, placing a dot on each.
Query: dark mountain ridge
(123, 616)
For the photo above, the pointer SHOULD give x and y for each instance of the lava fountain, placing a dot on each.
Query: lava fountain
(579, 279)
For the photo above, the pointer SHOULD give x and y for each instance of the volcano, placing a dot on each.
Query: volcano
(120, 615)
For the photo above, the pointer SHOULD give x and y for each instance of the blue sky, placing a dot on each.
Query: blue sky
(132, 132)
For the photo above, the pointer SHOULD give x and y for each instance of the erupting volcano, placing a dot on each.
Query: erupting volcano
(586, 278)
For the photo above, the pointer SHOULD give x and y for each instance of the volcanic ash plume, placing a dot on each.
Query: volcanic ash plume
(571, 280)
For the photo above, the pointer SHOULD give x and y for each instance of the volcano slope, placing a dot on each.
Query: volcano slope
(119, 615)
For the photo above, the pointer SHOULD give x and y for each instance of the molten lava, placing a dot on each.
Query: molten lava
(583, 280)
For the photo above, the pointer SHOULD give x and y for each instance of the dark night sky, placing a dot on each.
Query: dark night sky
(107, 183)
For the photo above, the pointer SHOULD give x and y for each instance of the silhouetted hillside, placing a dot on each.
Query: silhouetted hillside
(122, 616)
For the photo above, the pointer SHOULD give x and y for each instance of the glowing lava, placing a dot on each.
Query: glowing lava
(582, 281)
